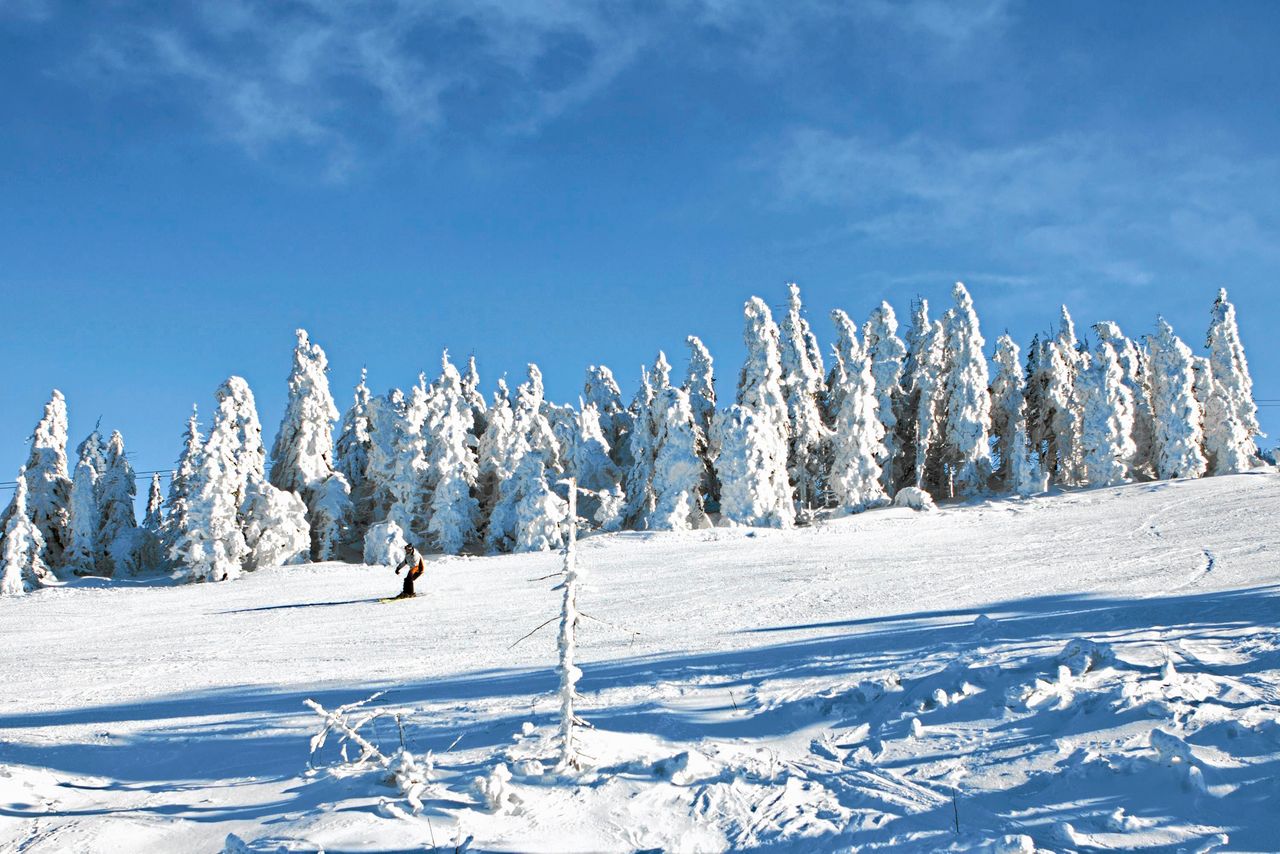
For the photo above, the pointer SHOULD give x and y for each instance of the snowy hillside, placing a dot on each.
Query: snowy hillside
(1091, 670)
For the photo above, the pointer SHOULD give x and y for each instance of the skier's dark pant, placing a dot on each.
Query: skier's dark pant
(410, 577)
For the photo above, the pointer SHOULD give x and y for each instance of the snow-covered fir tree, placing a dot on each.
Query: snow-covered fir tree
(1202, 387)
(753, 483)
(1178, 436)
(83, 555)
(331, 518)
(94, 451)
(515, 515)
(151, 532)
(302, 454)
(596, 472)
(533, 417)
(968, 401)
(1231, 418)
(22, 566)
(700, 383)
(602, 391)
(887, 353)
(858, 441)
(211, 546)
(679, 470)
(1133, 365)
(907, 414)
(408, 485)
(809, 444)
(182, 487)
(1107, 447)
(1059, 364)
(48, 482)
(843, 352)
(386, 419)
(642, 440)
(760, 390)
(235, 420)
(929, 393)
(118, 532)
(539, 513)
(1008, 403)
(276, 530)
(454, 513)
(351, 452)
(475, 398)
(494, 450)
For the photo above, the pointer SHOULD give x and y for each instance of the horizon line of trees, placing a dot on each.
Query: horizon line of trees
(448, 470)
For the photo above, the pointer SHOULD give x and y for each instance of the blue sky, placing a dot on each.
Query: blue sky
(181, 184)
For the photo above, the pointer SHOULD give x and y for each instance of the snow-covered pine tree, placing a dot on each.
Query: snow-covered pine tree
(49, 482)
(454, 512)
(240, 436)
(1060, 363)
(809, 448)
(564, 426)
(276, 530)
(182, 487)
(929, 393)
(968, 407)
(1232, 416)
(700, 383)
(532, 416)
(843, 352)
(887, 353)
(302, 454)
(1008, 402)
(118, 533)
(679, 470)
(1202, 387)
(1133, 365)
(475, 398)
(907, 415)
(642, 439)
(858, 442)
(601, 390)
(1178, 437)
(351, 453)
(760, 390)
(408, 486)
(93, 451)
(539, 513)
(386, 419)
(151, 532)
(596, 472)
(331, 520)
(494, 449)
(1107, 446)
(22, 568)
(83, 555)
(753, 482)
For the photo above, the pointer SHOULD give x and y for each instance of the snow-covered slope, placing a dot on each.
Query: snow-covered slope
(1094, 670)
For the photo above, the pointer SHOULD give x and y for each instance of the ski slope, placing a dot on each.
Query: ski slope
(1094, 670)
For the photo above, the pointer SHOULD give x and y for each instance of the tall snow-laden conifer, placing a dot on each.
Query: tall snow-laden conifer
(83, 555)
(475, 398)
(760, 390)
(887, 353)
(276, 531)
(1178, 438)
(968, 407)
(182, 488)
(843, 352)
(1107, 447)
(602, 390)
(454, 512)
(700, 383)
(494, 449)
(49, 481)
(679, 472)
(929, 384)
(1060, 363)
(235, 419)
(386, 420)
(1008, 401)
(118, 534)
(151, 555)
(22, 568)
(858, 442)
(753, 486)
(351, 453)
(1134, 367)
(802, 386)
(408, 485)
(907, 415)
(596, 472)
(642, 439)
(539, 512)
(1232, 416)
(302, 455)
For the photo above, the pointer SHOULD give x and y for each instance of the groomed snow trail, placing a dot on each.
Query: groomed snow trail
(1094, 670)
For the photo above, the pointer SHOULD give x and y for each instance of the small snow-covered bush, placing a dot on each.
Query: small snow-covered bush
(496, 790)
(384, 544)
(915, 498)
(275, 526)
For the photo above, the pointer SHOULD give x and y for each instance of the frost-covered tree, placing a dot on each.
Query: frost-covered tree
(700, 383)
(93, 451)
(151, 532)
(929, 395)
(968, 407)
(1232, 416)
(539, 513)
(532, 417)
(1134, 367)
(303, 452)
(1107, 447)
(351, 452)
(887, 353)
(642, 439)
(276, 530)
(515, 513)
(118, 532)
(1008, 402)
(595, 471)
(1059, 365)
(753, 482)
(494, 451)
(235, 420)
(49, 482)
(908, 406)
(602, 391)
(408, 485)
(453, 468)
(1202, 387)
(760, 389)
(330, 517)
(475, 398)
(22, 568)
(1178, 437)
(182, 487)
(679, 471)
(843, 352)
(386, 419)
(83, 555)
(802, 386)
(858, 442)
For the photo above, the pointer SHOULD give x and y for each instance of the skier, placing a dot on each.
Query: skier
(413, 562)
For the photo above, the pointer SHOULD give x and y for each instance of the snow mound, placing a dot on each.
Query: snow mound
(914, 498)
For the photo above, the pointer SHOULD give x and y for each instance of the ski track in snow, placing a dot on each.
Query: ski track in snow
(1094, 670)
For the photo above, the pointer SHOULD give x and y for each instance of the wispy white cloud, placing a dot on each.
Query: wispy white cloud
(1116, 210)
(335, 79)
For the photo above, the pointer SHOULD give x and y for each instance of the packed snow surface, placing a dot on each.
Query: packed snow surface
(1093, 670)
